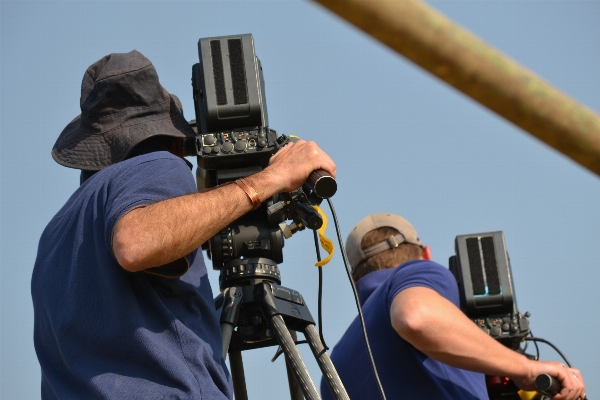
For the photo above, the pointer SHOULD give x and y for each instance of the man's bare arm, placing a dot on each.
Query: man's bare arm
(433, 325)
(160, 233)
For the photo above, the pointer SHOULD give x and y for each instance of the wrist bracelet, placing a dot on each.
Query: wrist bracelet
(250, 192)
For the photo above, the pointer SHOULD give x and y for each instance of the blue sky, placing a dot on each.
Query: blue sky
(403, 141)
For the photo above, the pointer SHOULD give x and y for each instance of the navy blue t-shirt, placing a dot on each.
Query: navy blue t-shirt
(405, 372)
(103, 332)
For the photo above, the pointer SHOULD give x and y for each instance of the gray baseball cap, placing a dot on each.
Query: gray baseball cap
(357, 255)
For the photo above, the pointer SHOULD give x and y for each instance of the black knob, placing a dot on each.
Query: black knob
(309, 217)
(262, 142)
(240, 145)
(216, 149)
(505, 327)
(322, 184)
(209, 140)
(495, 331)
(227, 147)
(206, 150)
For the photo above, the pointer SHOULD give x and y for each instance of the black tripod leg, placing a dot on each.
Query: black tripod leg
(295, 361)
(329, 372)
(295, 391)
(237, 375)
(226, 332)
(229, 311)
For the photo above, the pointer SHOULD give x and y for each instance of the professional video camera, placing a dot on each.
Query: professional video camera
(483, 272)
(234, 141)
(482, 269)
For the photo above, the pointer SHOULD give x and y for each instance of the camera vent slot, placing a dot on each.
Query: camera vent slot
(476, 269)
(238, 71)
(490, 265)
(219, 75)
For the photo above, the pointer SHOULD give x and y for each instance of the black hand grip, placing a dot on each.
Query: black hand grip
(322, 184)
(547, 385)
(309, 217)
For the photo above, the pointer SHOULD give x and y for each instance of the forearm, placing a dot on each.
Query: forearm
(159, 233)
(436, 327)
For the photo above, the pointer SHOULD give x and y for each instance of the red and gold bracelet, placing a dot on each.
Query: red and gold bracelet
(250, 192)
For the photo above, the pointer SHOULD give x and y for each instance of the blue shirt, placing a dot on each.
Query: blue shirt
(405, 372)
(103, 332)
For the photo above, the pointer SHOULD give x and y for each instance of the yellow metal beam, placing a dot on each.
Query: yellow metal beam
(453, 54)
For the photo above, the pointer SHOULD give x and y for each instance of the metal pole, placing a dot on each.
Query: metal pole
(432, 41)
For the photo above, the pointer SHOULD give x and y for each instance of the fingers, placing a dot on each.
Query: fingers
(579, 390)
(283, 150)
(294, 162)
(573, 387)
(305, 152)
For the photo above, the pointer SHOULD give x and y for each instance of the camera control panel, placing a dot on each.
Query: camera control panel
(509, 329)
(223, 149)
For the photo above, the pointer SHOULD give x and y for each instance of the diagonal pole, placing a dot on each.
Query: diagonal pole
(453, 54)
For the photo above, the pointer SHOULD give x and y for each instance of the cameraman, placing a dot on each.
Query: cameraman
(423, 345)
(122, 303)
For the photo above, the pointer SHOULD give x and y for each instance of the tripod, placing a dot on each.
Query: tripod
(267, 314)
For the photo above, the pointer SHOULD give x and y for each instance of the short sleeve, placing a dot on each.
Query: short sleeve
(423, 273)
(145, 180)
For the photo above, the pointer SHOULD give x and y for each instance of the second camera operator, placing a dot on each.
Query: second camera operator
(423, 344)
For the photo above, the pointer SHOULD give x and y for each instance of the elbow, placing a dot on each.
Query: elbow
(410, 327)
(410, 320)
(125, 253)
(127, 247)
(126, 244)
(127, 262)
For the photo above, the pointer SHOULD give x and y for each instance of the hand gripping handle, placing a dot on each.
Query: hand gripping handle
(322, 184)
(547, 384)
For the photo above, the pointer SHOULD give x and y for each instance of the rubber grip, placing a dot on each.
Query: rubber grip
(547, 384)
(322, 184)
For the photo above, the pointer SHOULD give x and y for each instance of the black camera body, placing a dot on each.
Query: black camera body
(482, 270)
(483, 273)
(234, 139)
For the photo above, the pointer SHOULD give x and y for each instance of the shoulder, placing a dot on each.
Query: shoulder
(422, 268)
(159, 167)
(145, 179)
(423, 273)
(153, 160)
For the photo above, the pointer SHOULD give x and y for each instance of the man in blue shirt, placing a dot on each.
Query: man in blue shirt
(423, 345)
(122, 304)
